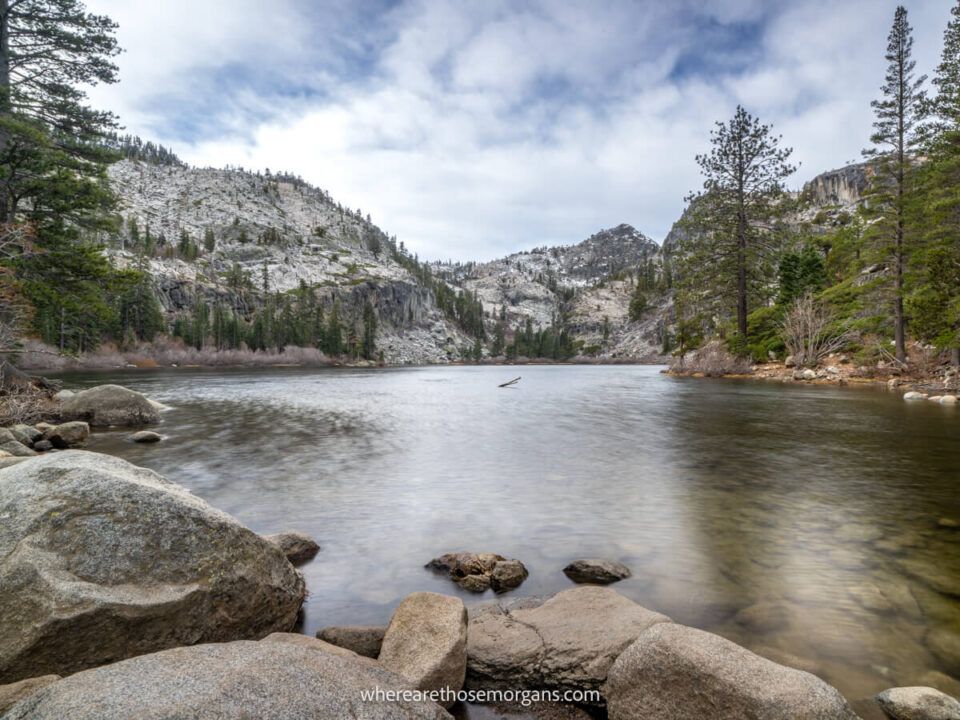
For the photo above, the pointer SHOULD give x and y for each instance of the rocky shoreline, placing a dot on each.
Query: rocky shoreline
(123, 595)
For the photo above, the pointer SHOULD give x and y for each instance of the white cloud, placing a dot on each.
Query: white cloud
(471, 130)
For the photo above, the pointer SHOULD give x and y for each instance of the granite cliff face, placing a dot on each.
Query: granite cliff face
(280, 233)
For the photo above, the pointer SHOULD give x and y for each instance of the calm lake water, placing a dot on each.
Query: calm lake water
(802, 522)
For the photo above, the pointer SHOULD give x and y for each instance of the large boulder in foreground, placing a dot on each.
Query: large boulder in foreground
(243, 679)
(673, 672)
(426, 642)
(13, 693)
(568, 642)
(101, 560)
(110, 405)
(918, 703)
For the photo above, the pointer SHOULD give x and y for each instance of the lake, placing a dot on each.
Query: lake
(810, 524)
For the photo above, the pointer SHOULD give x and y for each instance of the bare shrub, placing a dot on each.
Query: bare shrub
(713, 360)
(24, 403)
(809, 332)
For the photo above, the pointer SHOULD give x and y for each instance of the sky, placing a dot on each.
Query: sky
(478, 128)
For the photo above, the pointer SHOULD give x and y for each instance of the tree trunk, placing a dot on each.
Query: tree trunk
(5, 102)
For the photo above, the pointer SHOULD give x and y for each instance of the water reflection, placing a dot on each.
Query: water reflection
(801, 522)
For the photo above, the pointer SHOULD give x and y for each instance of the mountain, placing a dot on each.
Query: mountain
(197, 230)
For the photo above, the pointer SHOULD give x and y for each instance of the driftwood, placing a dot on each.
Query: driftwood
(510, 382)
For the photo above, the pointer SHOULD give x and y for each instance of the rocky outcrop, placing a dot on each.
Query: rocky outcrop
(298, 547)
(598, 572)
(426, 642)
(13, 693)
(568, 642)
(918, 703)
(105, 405)
(672, 672)
(843, 188)
(362, 639)
(477, 572)
(243, 679)
(101, 560)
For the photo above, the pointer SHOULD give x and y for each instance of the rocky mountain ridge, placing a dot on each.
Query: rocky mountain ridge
(278, 233)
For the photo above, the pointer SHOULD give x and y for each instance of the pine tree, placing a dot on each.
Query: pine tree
(896, 137)
(742, 194)
(933, 302)
(638, 303)
(334, 333)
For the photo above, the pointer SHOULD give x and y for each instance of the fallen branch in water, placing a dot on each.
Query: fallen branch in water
(510, 382)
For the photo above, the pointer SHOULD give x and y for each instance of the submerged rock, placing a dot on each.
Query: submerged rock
(476, 572)
(146, 437)
(569, 641)
(13, 693)
(298, 547)
(918, 703)
(361, 639)
(110, 405)
(600, 572)
(102, 560)
(242, 679)
(914, 395)
(673, 672)
(426, 642)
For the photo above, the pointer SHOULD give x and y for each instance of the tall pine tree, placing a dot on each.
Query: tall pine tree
(730, 256)
(896, 137)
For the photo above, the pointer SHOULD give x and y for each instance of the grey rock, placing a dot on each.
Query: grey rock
(673, 672)
(507, 575)
(68, 434)
(101, 560)
(7, 435)
(43, 445)
(110, 405)
(298, 547)
(426, 642)
(600, 572)
(362, 639)
(567, 642)
(221, 681)
(27, 434)
(13, 693)
(8, 460)
(918, 703)
(146, 437)
(17, 449)
(64, 395)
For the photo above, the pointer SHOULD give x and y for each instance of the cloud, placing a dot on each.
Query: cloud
(475, 129)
